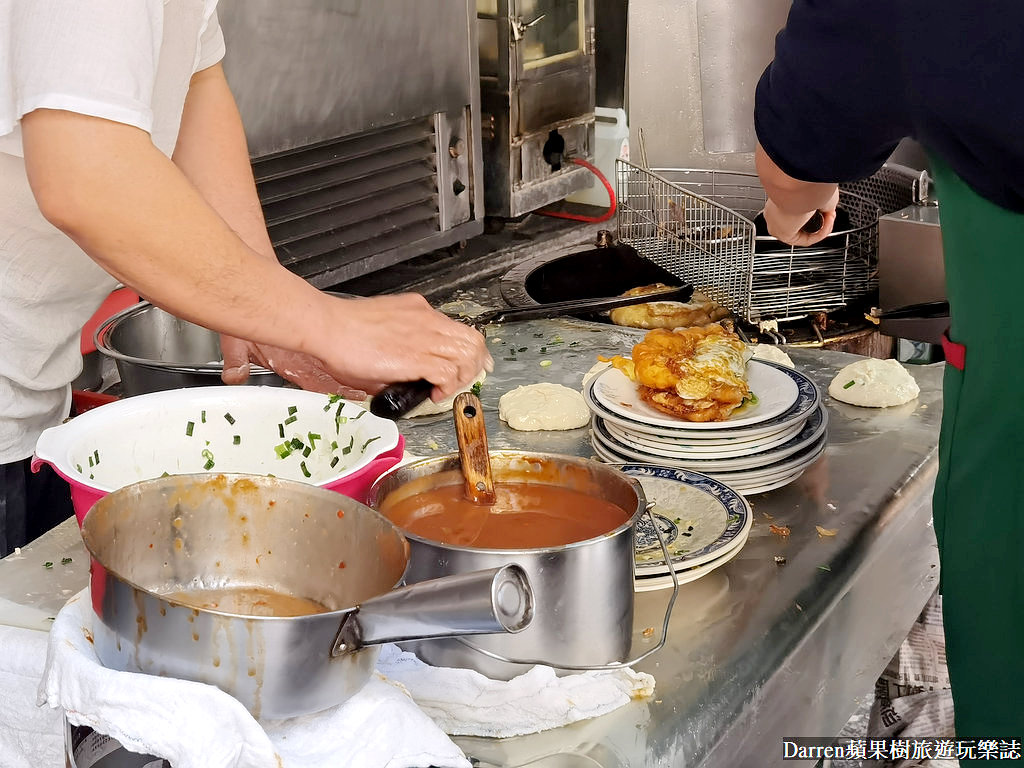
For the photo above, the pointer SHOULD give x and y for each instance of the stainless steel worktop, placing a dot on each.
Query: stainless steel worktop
(756, 651)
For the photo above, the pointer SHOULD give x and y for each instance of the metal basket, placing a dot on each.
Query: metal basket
(698, 224)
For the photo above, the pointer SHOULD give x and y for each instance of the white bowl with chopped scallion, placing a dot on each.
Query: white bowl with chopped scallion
(292, 434)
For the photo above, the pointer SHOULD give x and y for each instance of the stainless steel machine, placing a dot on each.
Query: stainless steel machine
(364, 125)
(537, 95)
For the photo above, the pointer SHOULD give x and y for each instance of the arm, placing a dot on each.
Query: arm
(792, 202)
(136, 214)
(211, 151)
(829, 108)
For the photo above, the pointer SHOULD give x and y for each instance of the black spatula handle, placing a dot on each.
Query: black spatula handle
(396, 400)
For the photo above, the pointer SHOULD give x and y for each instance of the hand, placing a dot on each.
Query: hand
(787, 226)
(369, 343)
(298, 368)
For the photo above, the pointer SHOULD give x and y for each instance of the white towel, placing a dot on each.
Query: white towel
(194, 725)
(465, 703)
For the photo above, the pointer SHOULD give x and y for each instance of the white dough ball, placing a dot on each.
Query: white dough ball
(874, 383)
(543, 406)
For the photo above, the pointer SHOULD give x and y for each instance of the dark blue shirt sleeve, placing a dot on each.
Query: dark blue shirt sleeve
(830, 107)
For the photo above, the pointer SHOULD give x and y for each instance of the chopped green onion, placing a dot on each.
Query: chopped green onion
(230, 418)
(92, 476)
(306, 451)
(236, 440)
(363, 449)
(47, 564)
(313, 437)
(824, 568)
(475, 389)
(292, 410)
(280, 430)
(90, 461)
(291, 419)
(348, 448)
(202, 416)
(208, 455)
(189, 427)
(65, 560)
(574, 343)
(334, 462)
(166, 474)
(297, 444)
(283, 450)
(341, 420)
(96, 453)
(545, 363)
(208, 464)
(302, 466)
(334, 445)
(543, 350)
(522, 349)
(848, 384)
(79, 468)
(359, 416)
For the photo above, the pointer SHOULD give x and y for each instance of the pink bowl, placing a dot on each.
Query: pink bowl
(144, 436)
(355, 486)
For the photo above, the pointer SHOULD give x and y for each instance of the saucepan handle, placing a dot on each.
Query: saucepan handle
(481, 602)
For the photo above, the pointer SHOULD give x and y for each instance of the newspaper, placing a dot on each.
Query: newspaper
(912, 697)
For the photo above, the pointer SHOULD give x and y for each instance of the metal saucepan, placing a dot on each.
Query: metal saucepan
(159, 544)
(584, 591)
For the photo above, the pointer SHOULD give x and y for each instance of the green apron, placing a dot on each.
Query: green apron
(979, 492)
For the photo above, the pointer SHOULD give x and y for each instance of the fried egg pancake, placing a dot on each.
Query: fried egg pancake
(696, 374)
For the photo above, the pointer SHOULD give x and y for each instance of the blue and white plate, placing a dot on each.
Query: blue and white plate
(700, 518)
(785, 397)
(810, 431)
(698, 449)
(656, 581)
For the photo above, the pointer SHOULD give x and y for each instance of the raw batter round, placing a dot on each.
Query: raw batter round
(874, 383)
(544, 406)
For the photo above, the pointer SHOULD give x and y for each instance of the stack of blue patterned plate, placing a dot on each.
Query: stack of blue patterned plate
(703, 522)
(761, 446)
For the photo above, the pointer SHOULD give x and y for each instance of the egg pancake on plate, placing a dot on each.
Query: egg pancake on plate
(696, 374)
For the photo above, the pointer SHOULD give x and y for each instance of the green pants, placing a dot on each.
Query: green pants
(979, 493)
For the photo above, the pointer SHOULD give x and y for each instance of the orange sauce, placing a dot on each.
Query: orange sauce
(524, 516)
(248, 601)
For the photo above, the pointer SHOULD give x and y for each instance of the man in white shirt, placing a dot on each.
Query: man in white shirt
(122, 159)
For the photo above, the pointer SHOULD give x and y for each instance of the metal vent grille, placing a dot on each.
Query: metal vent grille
(336, 209)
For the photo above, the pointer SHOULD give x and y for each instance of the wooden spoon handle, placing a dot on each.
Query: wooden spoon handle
(473, 452)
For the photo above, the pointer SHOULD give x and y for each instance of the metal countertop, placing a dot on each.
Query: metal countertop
(756, 651)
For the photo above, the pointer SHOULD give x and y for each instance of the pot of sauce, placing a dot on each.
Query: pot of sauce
(567, 521)
(275, 591)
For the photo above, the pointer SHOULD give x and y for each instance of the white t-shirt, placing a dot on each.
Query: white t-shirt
(124, 60)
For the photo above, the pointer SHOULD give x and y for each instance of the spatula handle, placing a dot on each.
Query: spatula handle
(473, 451)
(396, 400)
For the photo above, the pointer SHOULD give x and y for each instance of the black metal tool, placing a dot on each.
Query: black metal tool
(396, 400)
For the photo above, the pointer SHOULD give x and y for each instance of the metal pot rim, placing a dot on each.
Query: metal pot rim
(102, 335)
(245, 616)
(629, 523)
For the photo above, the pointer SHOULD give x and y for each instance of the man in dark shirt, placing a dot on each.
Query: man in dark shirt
(849, 80)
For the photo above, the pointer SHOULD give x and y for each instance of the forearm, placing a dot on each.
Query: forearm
(134, 212)
(790, 195)
(211, 151)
